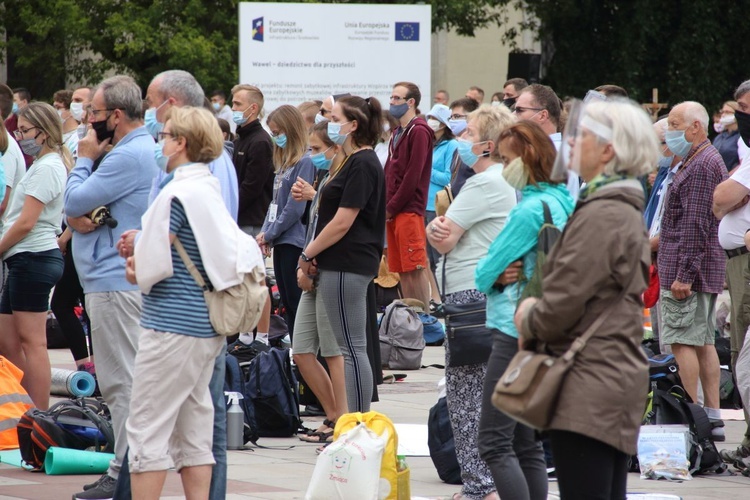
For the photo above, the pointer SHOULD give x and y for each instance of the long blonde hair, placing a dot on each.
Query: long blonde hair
(44, 117)
(289, 120)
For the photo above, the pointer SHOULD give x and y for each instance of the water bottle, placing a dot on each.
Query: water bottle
(235, 422)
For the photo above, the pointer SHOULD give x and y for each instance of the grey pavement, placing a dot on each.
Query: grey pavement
(284, 473)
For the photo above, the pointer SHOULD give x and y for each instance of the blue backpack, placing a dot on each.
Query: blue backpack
(434, 333)
(269, 399)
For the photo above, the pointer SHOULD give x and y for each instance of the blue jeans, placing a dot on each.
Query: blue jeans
(219, 474)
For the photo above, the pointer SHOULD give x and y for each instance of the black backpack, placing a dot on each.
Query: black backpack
(441, 444)
(78, 424)
(670, 408)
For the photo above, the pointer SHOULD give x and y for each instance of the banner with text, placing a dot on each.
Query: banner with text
(296, 52)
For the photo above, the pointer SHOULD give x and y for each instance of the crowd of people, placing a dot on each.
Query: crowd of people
(123, 204)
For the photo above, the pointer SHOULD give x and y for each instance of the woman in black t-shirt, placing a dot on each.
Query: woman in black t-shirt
(348, 240)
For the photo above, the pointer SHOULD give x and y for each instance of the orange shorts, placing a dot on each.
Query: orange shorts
(407, 243)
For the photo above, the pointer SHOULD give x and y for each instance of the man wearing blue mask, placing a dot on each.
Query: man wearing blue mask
(177, 88)
(222, 109)
(690, 261)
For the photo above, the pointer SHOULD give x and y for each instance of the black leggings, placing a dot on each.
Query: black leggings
(69, 294)
(588, 469)
(285, 259)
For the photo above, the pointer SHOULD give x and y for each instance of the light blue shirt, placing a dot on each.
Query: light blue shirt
(122, 183)
(442, 157)
(518, 240)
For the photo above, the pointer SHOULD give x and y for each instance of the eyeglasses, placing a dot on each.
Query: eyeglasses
(519, 109)
(456, 116)
(398, 98)
(19, 133)
(161, 135)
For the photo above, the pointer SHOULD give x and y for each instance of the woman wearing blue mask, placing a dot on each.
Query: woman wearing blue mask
(282, 229)
(463, 236)
(312, 329)
(348, 241)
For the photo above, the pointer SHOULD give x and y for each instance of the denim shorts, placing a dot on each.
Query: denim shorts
(31, 276)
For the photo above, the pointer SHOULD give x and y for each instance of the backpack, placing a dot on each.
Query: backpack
(234, 381)
(270, 395)
(389, 470)
(663, 370)
(440, 442)
(78, 424)
(669, 408)
(432, 329)
(546, 238)
(401, 338)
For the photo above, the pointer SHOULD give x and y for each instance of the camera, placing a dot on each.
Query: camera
(103, 217)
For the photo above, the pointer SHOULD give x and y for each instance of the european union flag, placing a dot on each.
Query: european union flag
(258, 29)
(407, 32)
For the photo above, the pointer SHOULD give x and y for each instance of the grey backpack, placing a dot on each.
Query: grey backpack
(401, 338)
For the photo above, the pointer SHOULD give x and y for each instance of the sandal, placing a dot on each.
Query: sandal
(320, 449)
(318, 437)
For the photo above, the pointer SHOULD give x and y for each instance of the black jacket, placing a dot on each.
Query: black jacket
(253, 160)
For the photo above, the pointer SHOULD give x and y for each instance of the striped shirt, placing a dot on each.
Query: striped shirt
(176, 304)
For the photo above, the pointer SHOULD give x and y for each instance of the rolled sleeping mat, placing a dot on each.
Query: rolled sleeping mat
(60, 461)
(72, 383)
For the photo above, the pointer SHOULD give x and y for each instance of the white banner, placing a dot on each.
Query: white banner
(296, 52)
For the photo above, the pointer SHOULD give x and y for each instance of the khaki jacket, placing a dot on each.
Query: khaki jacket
(604, 243)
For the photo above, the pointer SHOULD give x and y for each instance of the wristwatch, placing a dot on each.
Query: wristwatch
(305, 258)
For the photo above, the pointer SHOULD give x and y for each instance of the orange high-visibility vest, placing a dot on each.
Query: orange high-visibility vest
(14, 401)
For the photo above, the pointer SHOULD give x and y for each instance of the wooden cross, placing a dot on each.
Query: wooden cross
(655, 106)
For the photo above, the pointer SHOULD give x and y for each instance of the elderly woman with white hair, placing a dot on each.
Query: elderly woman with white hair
(599, 267)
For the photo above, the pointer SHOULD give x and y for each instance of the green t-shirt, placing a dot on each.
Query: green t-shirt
(45, 181)
(481, 208)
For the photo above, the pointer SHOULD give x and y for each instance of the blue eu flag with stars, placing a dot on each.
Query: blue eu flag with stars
(407, 32)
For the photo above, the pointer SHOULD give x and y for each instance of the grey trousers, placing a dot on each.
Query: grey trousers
(115, 330)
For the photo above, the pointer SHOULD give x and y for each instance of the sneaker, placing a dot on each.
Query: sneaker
(717, 430)
(87, 487)
(733, 456)
(246, 353)
(104, 490)
(436, 309)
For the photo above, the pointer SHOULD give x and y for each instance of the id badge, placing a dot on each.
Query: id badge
(272, 209)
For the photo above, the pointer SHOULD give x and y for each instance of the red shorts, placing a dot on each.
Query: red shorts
(407, 243)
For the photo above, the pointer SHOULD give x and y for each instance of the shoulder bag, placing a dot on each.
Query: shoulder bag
(236, 309)
(469, 339)
(529, 388)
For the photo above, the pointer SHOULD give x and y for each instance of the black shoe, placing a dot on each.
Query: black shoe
(436, 309)
(103, 489)
(313, 411)
(87, 487)
(246, 353)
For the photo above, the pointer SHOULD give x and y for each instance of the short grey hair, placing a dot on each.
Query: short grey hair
(182, 86)
(121, 92)
(695, 112)
(743, 89)
(633, 140)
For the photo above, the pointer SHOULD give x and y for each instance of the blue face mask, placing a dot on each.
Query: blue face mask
(149, 119)
(399, 110)
(216, 106)
(320, 161)
(15, 108)
(238, 117)
(457, 126)
(319, 118)
(334, 133)
(280, 140)
(161, 159)
(677, 143)
(465, 152)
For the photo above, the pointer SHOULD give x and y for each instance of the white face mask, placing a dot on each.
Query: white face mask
(434, 124)
(727, 120)
(76, 109)
(515, 174)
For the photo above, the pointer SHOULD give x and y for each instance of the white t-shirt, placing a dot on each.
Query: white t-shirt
(480, 209)
(734, 225)
(15, 168)
(45, 181)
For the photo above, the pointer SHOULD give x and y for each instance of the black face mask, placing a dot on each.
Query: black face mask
(743, 125)
(102, 133)
(509, 102)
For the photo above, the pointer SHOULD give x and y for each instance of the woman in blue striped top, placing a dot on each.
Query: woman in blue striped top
(171, 407)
